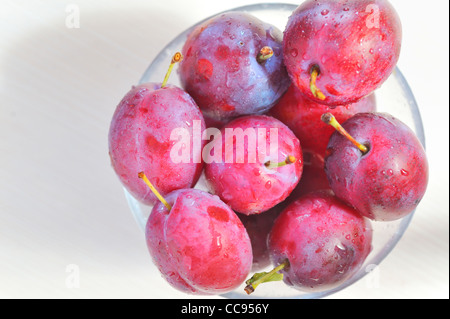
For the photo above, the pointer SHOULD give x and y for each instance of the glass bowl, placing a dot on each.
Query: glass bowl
(394, 97)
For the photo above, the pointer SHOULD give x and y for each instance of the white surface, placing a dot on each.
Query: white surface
(62, 205)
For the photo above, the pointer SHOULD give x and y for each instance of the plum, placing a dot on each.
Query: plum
(317, 243)
(339, 51)
(233, 66)
(377, 164)
(259, 167)
(199, 245)
(140, 139)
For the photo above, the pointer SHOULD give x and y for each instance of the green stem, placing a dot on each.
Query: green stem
(313, 86)
(263, 277)
(175, 59)
(329, 119)
(289, 160)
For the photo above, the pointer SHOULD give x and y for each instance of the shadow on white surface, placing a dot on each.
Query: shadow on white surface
(61, 203)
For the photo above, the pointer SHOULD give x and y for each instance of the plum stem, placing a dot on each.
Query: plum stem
(314, 89)
(264, 54)
(329, 119)
(142, 176)
(263, 277)
(289, 160)
(175, 59)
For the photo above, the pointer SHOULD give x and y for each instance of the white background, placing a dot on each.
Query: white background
(60, 202)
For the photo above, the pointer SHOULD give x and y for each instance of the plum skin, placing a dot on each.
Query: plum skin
(303, 117)
(251, 188)
(220, 68)
(324, 240)
(200, 247)
(139, 140)
(354, 57)
(389, 181)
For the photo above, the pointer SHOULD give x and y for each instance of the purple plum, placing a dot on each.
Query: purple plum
(233, 66)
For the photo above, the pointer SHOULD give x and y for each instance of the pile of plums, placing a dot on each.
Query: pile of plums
(304, 206)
